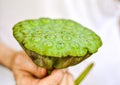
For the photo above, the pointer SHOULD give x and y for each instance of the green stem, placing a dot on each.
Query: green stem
(84, 74)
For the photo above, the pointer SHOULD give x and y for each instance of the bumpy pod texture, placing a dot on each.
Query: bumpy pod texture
(56, 43)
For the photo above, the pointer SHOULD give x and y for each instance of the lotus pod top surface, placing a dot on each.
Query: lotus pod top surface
(56, 37)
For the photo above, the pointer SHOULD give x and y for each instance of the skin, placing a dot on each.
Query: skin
(27, 73)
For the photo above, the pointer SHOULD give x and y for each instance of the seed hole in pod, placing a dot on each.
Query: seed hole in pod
(52, 36)
(62, 32)
(60, 45)
(75, 45)
(66, 37)
(80, 36)
(47, 43)
(46, 36)
(36, 39)
(37, 32)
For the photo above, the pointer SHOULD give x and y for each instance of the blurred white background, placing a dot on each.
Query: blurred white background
(102, 16)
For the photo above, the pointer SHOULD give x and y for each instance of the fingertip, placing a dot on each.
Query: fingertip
(58, 73)
(70, 79)
(41, 72)
(65, 70)
(60, 70)
(54, 78)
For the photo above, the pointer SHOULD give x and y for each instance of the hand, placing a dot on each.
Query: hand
(27, 73)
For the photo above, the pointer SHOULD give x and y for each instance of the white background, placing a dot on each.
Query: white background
(102, 16)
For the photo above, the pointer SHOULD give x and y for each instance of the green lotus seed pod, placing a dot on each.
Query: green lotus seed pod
(56, 43)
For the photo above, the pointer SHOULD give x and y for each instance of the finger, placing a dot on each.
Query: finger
(26, 80)
(23, 62)
(70, 79)
(64, 80)
(53, 79)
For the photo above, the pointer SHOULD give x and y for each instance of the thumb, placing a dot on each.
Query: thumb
(24, 63)
(54, 79)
